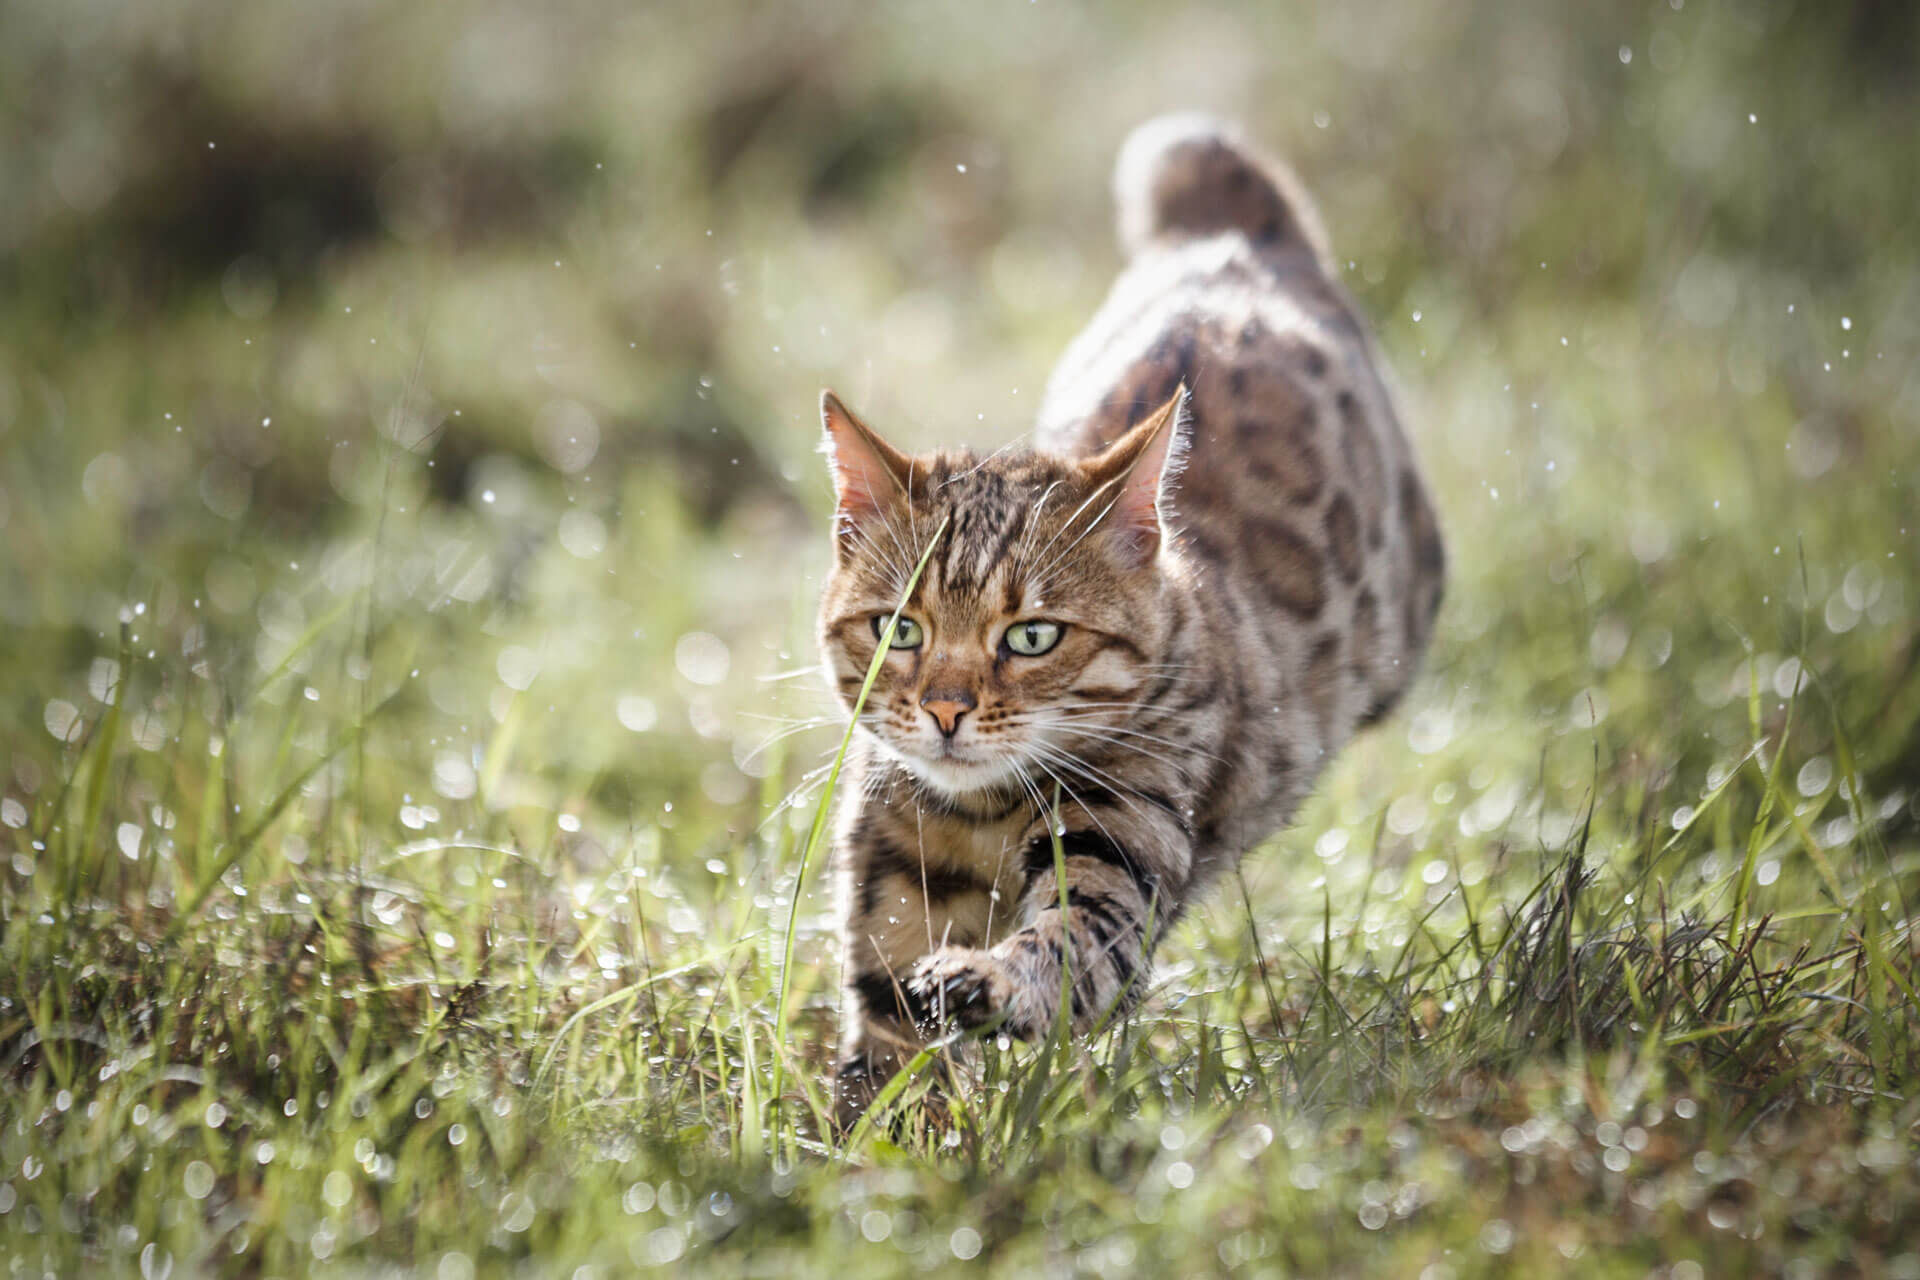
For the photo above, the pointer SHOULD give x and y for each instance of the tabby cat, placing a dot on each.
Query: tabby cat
(1218, 561)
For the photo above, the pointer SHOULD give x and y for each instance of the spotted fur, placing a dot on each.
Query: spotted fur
(1227, 523)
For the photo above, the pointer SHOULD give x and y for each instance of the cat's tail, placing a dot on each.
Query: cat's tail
(1189, 175)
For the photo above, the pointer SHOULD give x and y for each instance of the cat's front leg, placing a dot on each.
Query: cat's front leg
(904, 893)
(1118, 900)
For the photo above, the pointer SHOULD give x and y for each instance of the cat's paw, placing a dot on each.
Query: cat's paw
(961, 985)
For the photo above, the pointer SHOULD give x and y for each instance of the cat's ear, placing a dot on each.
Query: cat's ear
(1143, 466)
(868, 473)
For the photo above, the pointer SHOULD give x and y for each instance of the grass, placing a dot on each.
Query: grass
(408, 761)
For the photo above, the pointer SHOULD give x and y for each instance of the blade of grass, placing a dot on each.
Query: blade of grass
(300, 645)
(499, 750)
(1886, 1072)
(1712, 798)
(1040, 1074)
(1817, 856)
(630, 991)
(819, 827)
(893, 1089)
(100, 755)
(249, 838)
(1756, 839)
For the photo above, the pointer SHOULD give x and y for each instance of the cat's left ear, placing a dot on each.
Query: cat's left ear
(869, 474)
(1145, 465)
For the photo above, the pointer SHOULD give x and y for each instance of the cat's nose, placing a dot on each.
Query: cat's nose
(946, 706)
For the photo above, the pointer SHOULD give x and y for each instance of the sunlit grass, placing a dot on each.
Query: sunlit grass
(364, 1065)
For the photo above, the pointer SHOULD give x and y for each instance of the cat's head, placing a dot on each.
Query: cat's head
(1035, 625)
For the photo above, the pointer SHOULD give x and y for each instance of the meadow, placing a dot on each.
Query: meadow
(410, 741)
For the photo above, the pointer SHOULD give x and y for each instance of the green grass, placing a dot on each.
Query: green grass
(406, 757)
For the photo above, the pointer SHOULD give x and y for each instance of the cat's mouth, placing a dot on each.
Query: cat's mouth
(957, 776)
(957, 770)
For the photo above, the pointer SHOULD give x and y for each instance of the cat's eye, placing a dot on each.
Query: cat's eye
(906, 635)
(1032, 638)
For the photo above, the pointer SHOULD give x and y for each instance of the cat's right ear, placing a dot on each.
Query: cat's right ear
(1142, 468)
(869, 474)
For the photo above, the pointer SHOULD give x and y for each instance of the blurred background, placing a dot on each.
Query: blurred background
(474, 353)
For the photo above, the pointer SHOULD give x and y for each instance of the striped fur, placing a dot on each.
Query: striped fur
(1227, 523)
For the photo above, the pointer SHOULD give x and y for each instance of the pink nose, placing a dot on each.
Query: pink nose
(946, 706)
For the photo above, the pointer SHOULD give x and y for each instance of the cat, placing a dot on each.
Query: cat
(1139, 640)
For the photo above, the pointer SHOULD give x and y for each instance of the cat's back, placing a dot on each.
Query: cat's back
(1301, 493)
(1228, 269)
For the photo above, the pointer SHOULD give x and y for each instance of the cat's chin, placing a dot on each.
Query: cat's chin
(956, 779)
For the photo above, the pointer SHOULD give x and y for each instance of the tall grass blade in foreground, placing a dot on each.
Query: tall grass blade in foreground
(817, 832)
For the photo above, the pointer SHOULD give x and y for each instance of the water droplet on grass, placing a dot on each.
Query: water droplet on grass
(637, 713)
(702, 658)
(665, 1245)
(517, 667)
(62, 719)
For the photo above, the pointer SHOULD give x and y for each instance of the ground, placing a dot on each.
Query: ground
(411, 526)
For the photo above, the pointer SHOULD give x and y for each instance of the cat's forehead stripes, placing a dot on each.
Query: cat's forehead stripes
(984, 523)
(993, 509)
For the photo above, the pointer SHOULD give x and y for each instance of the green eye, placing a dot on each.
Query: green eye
(1031, 639)
(905, 636)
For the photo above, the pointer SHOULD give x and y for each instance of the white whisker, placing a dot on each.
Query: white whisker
(1137, 749)
(1071, 795)
(774, 677)
(1045, 754)
(1067, 525)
